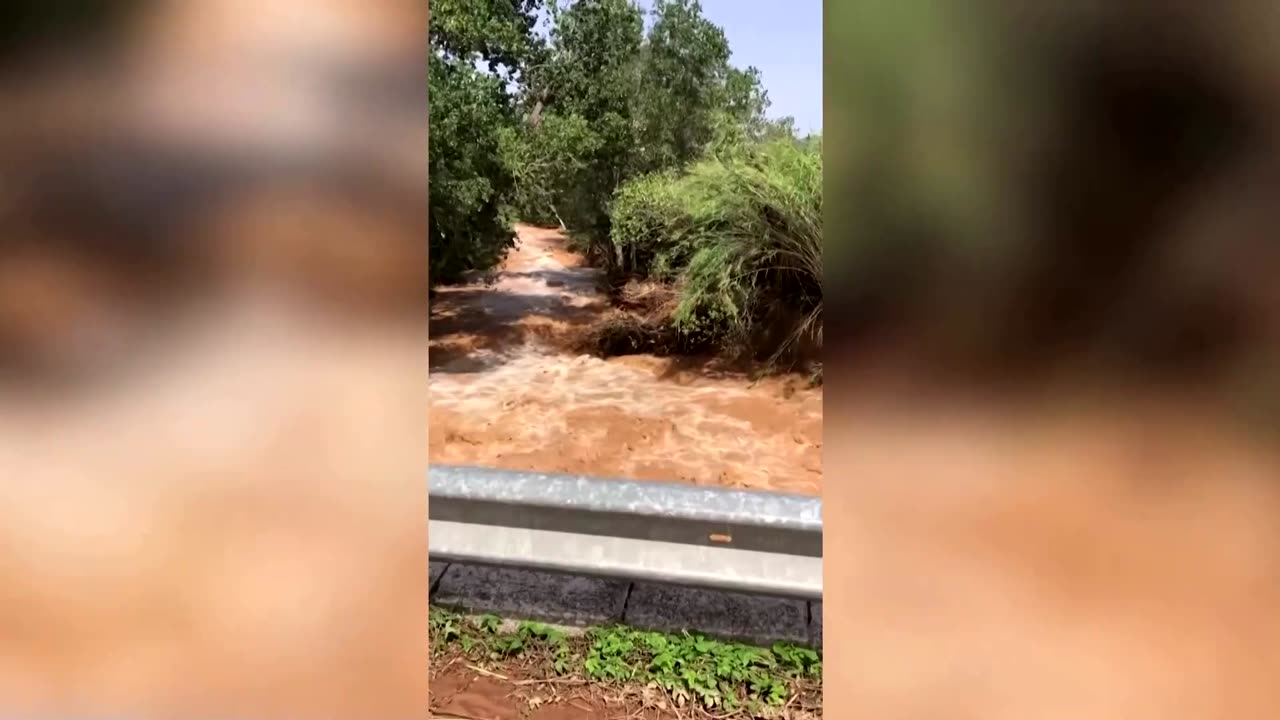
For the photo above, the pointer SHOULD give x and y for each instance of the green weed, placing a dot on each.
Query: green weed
(692, 669)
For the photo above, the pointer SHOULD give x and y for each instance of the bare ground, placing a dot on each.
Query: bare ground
(464, 691)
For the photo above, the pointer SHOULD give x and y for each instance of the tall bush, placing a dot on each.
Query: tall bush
(741, 236)
(649, 217)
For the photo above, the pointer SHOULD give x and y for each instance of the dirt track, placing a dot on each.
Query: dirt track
(504, 393)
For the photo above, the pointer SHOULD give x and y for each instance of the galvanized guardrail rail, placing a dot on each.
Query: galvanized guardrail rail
(757, 542)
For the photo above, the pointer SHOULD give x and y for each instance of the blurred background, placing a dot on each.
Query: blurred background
(1033, 185)
(1053, 379)
(212, 358)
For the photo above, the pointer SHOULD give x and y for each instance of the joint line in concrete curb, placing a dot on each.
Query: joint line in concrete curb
(433, 579)
(626, 602)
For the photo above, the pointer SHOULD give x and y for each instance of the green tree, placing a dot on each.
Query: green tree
(470, 109)
(691, 97)
(589, 84)
(606, 104)
(469, 180)
(558, 123)
(549, 160)
(498, 32)
(745, 98)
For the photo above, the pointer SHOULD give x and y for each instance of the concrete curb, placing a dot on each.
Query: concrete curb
(579, 601)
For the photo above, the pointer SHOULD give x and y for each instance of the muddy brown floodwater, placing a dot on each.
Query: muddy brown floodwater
(505, 393)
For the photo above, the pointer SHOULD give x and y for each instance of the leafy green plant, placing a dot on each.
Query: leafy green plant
(691, 668)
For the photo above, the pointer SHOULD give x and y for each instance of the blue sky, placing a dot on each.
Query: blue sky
(783, 38)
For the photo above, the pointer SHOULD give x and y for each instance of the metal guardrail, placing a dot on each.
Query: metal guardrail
(756, 542)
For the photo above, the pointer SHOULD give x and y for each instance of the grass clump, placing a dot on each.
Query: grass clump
(740, 238)
(694, 671)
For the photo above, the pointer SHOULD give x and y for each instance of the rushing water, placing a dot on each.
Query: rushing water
(504, 393)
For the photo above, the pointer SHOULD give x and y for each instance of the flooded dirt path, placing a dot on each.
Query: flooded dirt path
(505, 393)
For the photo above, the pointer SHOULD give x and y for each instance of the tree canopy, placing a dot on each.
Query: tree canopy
(543, 110)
